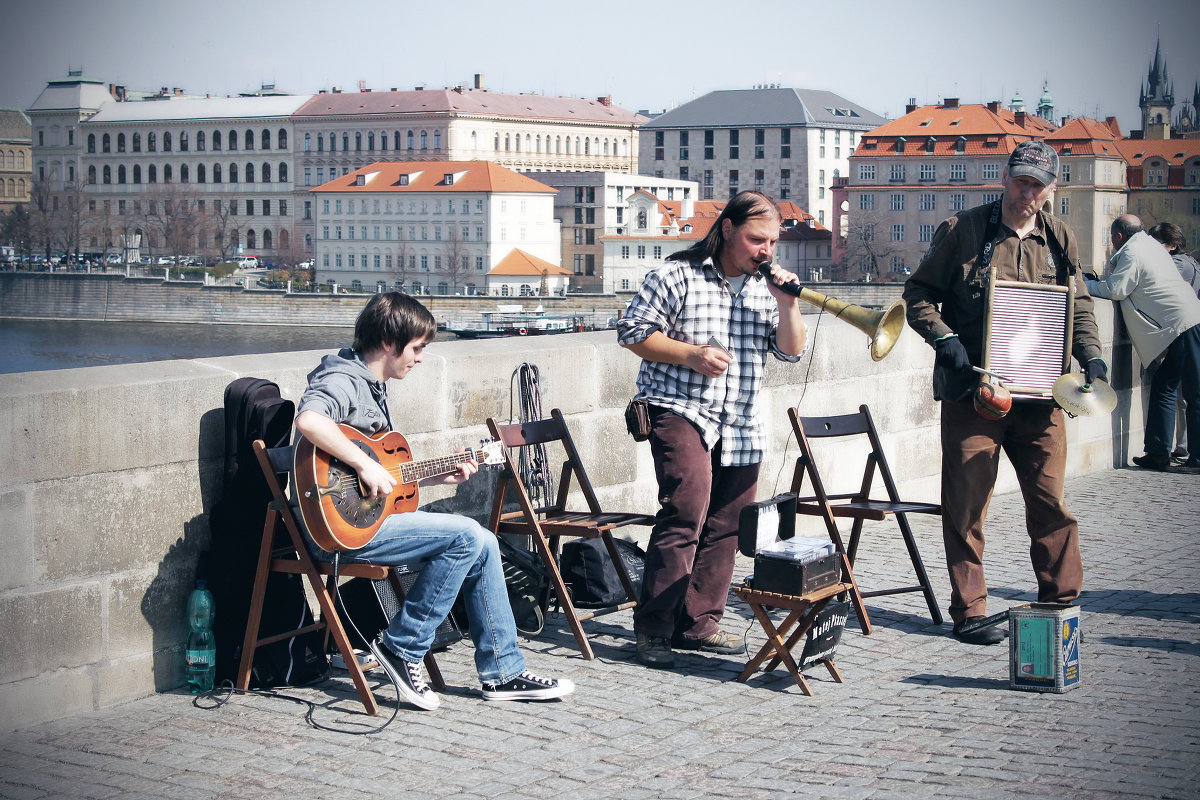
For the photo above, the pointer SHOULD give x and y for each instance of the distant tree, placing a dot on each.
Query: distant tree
(457, 261)
(16, 230)
(174, 213)
(868, 246)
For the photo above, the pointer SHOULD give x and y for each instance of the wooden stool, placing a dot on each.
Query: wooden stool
(803, 612)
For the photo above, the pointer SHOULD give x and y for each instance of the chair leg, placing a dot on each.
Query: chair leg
(564, 599)
(257, 596)
(919, 565)
(860, 609)
(334, 625)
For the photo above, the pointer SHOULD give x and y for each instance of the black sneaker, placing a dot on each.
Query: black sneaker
(992, 634)
(527, 686)
(407, 676)
(1159, 463)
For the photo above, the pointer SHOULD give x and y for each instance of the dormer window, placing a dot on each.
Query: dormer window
(449, 179)
(403, 180)
(900, 143)
(360, 180)
(930, 143)
(960, 145)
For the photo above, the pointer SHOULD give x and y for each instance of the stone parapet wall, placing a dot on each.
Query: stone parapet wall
(113, 298)
(111, 473)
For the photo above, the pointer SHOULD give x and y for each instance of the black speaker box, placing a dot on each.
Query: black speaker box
(371, 604)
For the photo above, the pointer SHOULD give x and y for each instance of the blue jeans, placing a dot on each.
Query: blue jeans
(451, 551)
(1179, 370)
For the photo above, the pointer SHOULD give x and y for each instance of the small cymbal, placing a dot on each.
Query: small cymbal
(1084, 399)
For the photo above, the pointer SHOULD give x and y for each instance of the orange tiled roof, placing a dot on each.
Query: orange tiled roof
(518, 262)
(1173, 151)
(430, 176)
(986, 130)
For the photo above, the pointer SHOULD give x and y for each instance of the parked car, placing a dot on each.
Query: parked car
(246, 262)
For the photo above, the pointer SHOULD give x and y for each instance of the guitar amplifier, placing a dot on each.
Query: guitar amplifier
(371, 604)
(1027, 336)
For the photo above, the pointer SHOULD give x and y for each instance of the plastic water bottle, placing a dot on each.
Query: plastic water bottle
(201, 653)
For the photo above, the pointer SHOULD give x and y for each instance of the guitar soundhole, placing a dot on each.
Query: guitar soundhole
(348, 500)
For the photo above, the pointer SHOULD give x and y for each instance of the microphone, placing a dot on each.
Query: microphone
(794, 289)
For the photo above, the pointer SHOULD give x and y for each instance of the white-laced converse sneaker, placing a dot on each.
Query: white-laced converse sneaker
(528, 686)
(407, 676)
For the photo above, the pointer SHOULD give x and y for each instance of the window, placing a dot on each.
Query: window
(106, 147)
(928, 201)
(925, 233)
(866, 202)
(307, 142)
(733, 144)
(760, 143)
(708, 145)
(183, 142)
(991, 197)
(958, 172)
(991, 172)
(958, 202)
(1064, 206)
(928, 172)
(624, 252)
(167, 142)
(249, 173)
(233, 139)
(785, 142)
(897, 233)
(216, 140)
(91, 145)
(120, 143)
(683, 145)
(866, 172)
(897, 173)
(896, 202)
(152, 142)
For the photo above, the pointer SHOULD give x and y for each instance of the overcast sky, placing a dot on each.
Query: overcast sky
(647, 55)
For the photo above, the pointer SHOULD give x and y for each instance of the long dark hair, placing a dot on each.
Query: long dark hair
(742, 208)
(392, 319)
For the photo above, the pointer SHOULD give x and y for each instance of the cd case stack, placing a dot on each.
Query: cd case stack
(795, 566)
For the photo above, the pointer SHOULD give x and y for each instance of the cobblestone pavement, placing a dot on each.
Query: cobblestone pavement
(920, 715)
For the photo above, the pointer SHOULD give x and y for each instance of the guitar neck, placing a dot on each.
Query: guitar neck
(414, 471)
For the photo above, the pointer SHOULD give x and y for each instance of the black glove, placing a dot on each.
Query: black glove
(953, 379)
(952, 355)
(1095, 370)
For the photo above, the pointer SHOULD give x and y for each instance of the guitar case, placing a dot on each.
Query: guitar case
(254, 409)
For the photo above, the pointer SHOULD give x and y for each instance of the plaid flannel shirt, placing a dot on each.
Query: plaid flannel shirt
(692, 303)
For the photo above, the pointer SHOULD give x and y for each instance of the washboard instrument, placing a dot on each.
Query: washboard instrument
(1027, 336)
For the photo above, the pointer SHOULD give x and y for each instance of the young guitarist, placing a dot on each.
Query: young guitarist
(453, 551)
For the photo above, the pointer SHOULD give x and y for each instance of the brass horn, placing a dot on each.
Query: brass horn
(883, 327)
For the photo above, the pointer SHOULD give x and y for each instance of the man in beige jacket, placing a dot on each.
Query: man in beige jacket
(1162, 315)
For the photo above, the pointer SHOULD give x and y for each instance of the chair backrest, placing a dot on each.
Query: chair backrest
(550, 430)
(843, 425)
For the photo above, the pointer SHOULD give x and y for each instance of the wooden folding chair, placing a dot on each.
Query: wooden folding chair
(858, 505)
(547, 525)
(291, 556)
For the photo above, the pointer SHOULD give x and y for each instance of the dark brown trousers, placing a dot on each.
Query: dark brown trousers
(689, 560)
(1033, 437)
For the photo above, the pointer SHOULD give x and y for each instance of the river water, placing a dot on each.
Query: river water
(28, 345)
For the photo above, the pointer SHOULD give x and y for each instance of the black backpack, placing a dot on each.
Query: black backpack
(254, 409)
(590, 575)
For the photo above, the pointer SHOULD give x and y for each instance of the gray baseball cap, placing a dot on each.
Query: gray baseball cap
(1037, 160)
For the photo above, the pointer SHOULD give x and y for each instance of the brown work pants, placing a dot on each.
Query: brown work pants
(689, 559)
(1033, 437)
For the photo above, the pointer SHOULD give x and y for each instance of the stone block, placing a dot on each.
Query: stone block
(66, 422)
(146, 610)
(137, 676)
(52, 694)
(111, 522)
(53, 629)
(16, 525)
